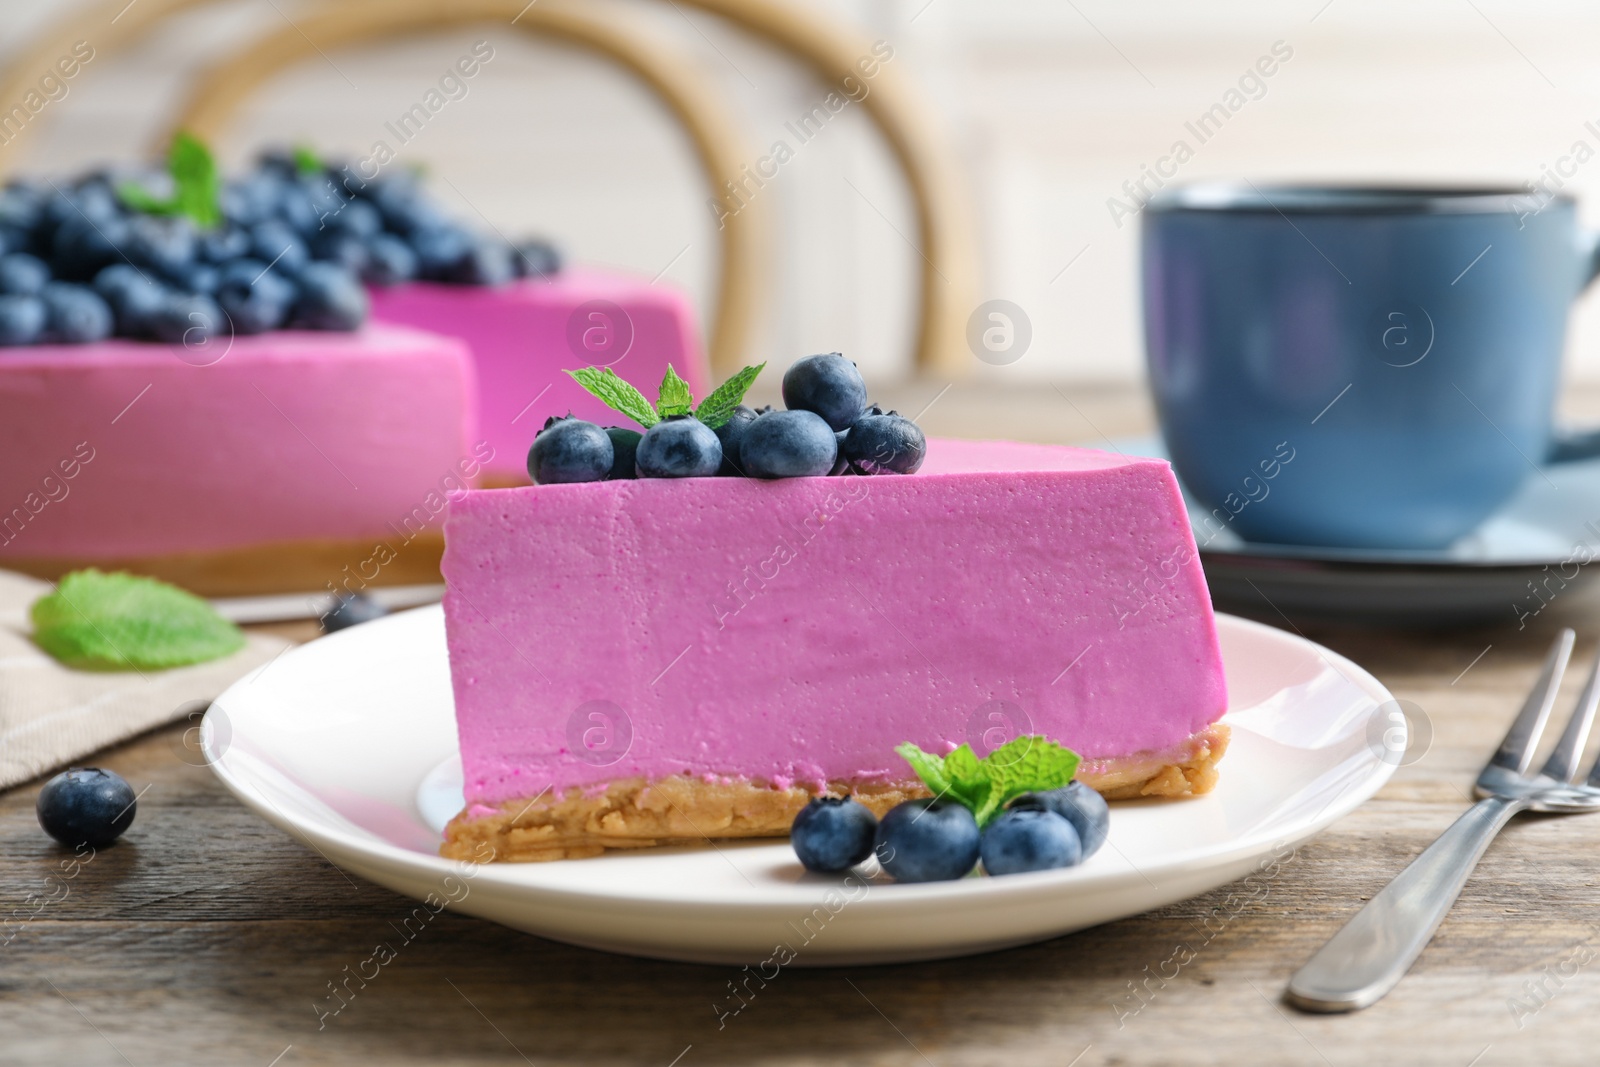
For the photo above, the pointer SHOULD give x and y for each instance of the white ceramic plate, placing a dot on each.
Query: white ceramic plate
(349, 744)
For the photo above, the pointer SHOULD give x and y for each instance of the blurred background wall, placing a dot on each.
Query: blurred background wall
(1055, 104)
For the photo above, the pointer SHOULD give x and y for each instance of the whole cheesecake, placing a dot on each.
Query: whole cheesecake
(651, 661)
(292, 460)
(525, 335)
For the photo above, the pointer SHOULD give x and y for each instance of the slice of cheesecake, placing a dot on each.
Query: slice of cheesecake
(642, 662)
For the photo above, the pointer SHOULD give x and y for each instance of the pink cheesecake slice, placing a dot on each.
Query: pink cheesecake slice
(640, 662)
(526, 335)
(295, 461)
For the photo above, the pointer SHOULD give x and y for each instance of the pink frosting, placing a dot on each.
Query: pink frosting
(124, 449)
(798, 630)
(525, 336)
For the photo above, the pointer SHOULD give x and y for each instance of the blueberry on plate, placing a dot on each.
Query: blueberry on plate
(624, 449)
(189, 319)
(730, 434)
(22, 319)
(390, 261)
(927, 841)
(75, 314)
(570, 450)
(536, 259)
(23, 274)
(1029, 839)
(254, 297)
(788, 444)
(330, 299)
(86, 806)
(1081, 806)
(352, 610)
(828, 385)
(679, 446)
(885, 443)
(833, 834)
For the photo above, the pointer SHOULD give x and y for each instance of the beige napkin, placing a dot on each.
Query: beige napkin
(51, 716)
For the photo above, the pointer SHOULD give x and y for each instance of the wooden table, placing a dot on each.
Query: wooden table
(207, 936)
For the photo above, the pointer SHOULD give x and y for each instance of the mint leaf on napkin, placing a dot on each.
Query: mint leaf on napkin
(114, 622)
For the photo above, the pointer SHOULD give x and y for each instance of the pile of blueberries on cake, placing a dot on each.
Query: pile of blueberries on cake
(828, 428)
(185, 255)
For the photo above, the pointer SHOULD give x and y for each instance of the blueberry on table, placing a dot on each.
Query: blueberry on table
(624, 449)
(828, 385)
(86, 806)
(570, 450)
(788, 444)
(23, 274)
(75, 314)
(833, 834)
(679, 446)
(1081, 806)
(351, 611)
(927, 841)
(885, 444)
(390, 261)
(1029, 839)
(729, 435)
(330, 299)
(22, 319)
(255, 297)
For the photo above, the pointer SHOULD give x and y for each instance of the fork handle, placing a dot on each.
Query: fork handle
(1373, 951)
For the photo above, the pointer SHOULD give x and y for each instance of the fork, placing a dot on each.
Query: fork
(1369, 956)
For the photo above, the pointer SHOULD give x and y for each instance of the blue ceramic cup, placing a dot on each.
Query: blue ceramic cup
(1360, 366)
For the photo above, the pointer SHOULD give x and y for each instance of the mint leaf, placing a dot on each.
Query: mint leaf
(716, 409)
(137, 197)
(114, 622)
(196, 185)
(616, 394)
(1031, 764)
(675, 398)
(306, 161)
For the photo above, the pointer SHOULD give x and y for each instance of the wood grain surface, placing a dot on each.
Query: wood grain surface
(208, 937)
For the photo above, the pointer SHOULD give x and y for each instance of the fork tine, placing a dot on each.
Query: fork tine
(1516, 751)
(1563, 762)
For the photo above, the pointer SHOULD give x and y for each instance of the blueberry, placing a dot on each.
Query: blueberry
(570, 450)
(827, 384)
(224, 244)
(164, 245)
(833, 834)
(358, 219)
(888, 443)
(254, 297)
(841, 464)
(788, 444)
(731, 435)
(75, 314)
(485, 263)
(330, 299)
(274, 242)
(1029, 839)
(86, 806)
(679, 446)
(19, 209)
(404, 206)
(927, 841)
(536, 259)
(81, 246)
(440, 251)
(22, 319)
(135, 298)
(341, 248)
(624, 449)
(352, 610)
(390, 261)
(23, 274)
(189, 319)
(1081, 806)
(251, 199)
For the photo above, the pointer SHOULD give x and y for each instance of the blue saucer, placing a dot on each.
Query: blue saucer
(1523, 558)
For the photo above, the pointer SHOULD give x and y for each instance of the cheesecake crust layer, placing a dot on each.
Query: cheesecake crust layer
(278, 567)
(634, 813)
